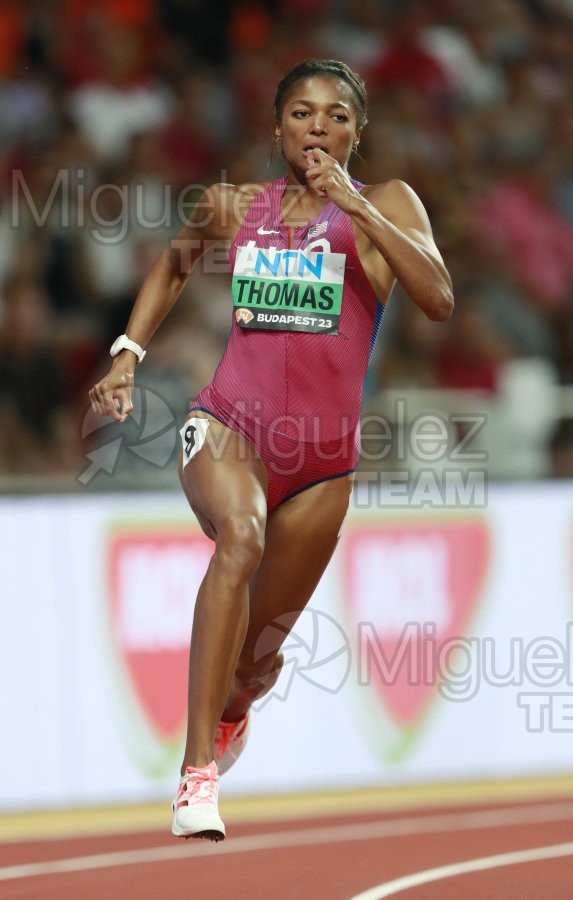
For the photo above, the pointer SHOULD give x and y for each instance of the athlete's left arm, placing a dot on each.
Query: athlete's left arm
(394, 220)
(393, 217)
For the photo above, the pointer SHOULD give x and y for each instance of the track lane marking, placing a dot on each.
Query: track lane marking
(406, 826)
(440, 873)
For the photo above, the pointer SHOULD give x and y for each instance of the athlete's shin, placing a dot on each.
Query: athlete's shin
(219, 628)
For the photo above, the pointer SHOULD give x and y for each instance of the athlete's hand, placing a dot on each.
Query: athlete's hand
(112, 396)
(327, 177)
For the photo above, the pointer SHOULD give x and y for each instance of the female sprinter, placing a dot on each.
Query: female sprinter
(269, 447)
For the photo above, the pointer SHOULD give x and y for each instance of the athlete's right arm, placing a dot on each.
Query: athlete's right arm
(215, 218)
(211, 221)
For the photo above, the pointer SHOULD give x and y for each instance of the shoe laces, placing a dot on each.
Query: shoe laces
(227, 733)
(197, 786)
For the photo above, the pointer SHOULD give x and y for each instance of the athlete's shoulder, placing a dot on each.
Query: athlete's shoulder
(219, 211)
(395, 199)
(254, 188)
(394, 191)
(225, 192)
(234, 200)
(224, 189)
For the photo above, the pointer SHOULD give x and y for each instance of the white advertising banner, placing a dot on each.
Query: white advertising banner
(438, 646)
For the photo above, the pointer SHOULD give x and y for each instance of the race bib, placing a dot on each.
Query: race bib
(193, 436)
(288, 290)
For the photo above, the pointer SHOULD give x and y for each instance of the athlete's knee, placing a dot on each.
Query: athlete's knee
(240, 544)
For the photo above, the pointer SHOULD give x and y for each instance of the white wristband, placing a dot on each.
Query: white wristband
(124, 343)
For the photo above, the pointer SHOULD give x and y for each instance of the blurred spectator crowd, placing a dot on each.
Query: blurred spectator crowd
(114, 113)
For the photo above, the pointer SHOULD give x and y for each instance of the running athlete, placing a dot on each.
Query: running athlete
(269, 447)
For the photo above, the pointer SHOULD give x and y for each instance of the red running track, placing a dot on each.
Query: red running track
(526, 849)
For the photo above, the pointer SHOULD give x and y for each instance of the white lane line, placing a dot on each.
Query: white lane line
(390, 888)
(408, 825)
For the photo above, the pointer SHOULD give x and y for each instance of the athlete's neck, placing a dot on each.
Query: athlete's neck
(299, 204)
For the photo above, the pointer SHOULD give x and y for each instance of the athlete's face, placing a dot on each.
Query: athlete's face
(318, 112)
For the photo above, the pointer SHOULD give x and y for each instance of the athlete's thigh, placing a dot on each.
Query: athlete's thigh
(225, 477)
(301, 536)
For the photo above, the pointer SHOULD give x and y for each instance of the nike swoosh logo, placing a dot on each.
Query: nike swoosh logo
(264, 231)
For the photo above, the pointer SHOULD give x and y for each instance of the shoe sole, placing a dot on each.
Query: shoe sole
(209, 835)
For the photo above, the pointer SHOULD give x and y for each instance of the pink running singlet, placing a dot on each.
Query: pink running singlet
(305, 319)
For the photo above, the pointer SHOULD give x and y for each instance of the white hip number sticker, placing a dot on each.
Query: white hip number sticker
(193, 436)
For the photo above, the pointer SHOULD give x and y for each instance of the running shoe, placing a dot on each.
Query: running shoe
(230, 740)
(195, 809)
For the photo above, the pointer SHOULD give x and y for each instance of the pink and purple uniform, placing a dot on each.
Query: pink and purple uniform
(304, 325)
